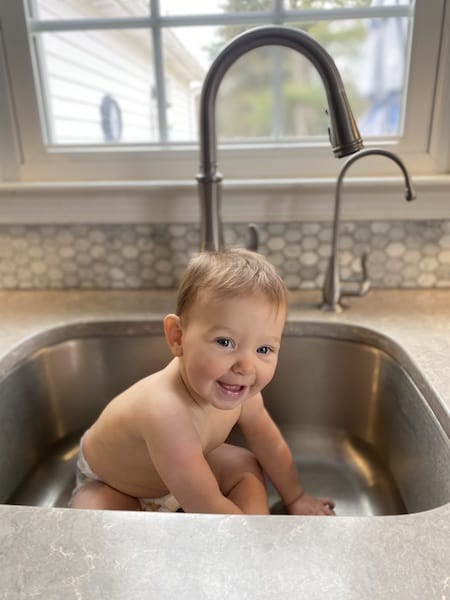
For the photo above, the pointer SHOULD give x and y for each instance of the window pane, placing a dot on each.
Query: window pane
(181, 7)
(200, 43)
(88, 9)
(378, 78)
(271, 92)
(188, 52)
(98, 87)
(276, 93)
(329, 4)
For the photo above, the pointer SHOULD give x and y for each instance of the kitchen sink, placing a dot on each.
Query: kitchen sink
(361, 420)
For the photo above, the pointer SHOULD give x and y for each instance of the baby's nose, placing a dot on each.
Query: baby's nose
(244, 366)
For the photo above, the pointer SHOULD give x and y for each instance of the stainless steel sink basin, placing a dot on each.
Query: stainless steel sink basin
(359, 418)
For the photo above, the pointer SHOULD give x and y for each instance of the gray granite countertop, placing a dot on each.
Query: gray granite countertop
(63, 553)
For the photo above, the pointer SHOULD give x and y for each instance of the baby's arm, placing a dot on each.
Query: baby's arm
(272, 452)
(176, 452)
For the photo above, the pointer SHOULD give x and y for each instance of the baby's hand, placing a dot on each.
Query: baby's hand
(309, 505)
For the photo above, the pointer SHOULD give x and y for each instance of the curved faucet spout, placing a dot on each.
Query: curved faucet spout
(332, 293)
(344, 135)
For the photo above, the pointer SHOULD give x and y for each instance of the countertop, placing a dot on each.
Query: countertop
(63, 553)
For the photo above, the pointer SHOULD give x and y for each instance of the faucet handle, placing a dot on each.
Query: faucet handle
(252, 237)
(362, 286)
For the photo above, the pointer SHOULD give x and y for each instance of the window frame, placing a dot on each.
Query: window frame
(425, 146)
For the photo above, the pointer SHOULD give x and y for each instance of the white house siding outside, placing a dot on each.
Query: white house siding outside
(79, 69)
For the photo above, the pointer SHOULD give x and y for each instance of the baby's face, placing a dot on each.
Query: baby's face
(230, 348)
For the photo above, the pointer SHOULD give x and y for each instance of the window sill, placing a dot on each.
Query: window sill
(271, 200)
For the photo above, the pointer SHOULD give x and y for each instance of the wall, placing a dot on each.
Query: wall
(401, 254)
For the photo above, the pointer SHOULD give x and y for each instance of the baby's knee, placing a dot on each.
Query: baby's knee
(249, 465)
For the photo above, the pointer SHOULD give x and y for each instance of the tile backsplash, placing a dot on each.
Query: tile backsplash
(401, 254)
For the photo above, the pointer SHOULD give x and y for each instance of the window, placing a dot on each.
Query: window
(105, 89)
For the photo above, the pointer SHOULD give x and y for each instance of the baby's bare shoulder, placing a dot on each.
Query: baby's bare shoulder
(156, 397)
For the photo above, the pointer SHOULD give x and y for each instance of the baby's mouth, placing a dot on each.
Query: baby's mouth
(231, 389)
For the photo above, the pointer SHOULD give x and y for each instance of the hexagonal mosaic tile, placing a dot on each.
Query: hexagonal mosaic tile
(400, 254)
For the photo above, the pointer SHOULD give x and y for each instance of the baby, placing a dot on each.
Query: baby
(161, 444)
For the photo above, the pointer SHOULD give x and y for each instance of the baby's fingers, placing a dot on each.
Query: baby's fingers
(328, 501)
(327, 506)
(329, 512)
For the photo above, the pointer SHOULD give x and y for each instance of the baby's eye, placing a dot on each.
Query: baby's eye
(264, 350)
(225, 342)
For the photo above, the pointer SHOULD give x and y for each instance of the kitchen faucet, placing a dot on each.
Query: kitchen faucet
(343, 132)
(332, 290)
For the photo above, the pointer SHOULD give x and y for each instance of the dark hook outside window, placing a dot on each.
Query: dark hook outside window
(111, 119)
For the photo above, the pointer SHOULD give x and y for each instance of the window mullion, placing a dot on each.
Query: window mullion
(158, 63)
(277, 15)
(335, 14)
(278, 11)
(39, 26)
(277, 110)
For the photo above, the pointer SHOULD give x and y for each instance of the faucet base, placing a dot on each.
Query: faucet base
(336, 308)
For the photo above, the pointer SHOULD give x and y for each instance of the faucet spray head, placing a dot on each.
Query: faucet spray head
(343, 132)
(410, 193)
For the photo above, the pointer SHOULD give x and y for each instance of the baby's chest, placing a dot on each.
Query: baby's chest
(215, 432)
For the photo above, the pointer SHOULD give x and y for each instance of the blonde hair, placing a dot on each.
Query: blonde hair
(230, 273)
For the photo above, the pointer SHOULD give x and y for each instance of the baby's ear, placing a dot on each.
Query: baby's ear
(174, 334)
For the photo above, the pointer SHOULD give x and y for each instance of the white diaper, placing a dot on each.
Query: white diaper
(167, 503)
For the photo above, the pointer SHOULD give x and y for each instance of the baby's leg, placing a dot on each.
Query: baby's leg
(98, 495)
(240, 478)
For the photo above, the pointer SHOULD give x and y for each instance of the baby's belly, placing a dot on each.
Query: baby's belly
(130, 473)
